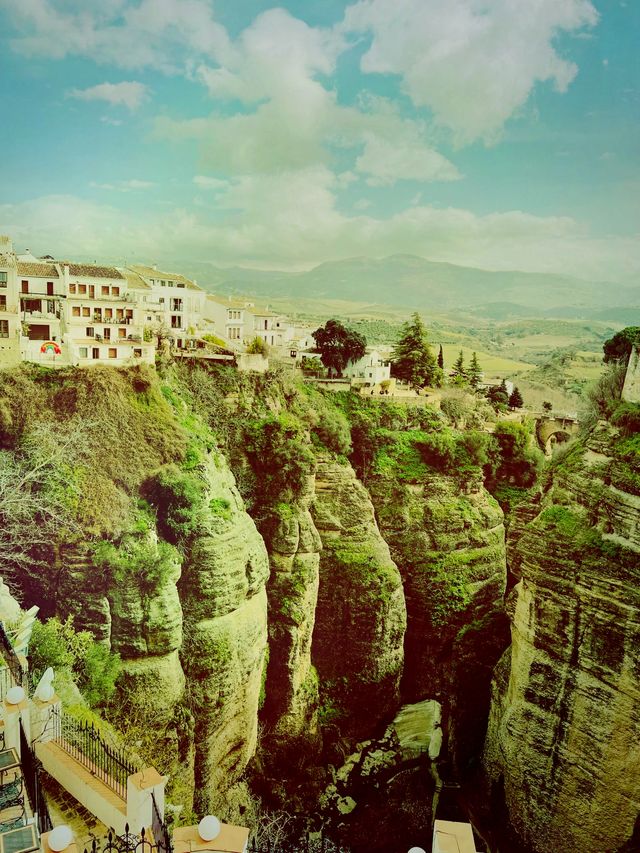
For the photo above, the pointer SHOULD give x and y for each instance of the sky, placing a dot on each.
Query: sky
(503, 134)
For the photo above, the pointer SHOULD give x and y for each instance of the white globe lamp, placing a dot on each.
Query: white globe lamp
(60, 838)
(15, 695)
(209, 828)
(417, 850)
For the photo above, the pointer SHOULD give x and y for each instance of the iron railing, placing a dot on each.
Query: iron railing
(84, 742)
(153, 843)
(161, 835)
(12, 661)
(31, 769)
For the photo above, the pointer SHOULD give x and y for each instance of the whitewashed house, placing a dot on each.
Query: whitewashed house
(371, 369)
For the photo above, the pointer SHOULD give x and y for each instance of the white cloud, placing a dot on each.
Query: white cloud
(279, 66)
(386, 161)
(208, 183)
(125, 186)
(293, 220)
(159, 34)
(473, 64)
(127, 94)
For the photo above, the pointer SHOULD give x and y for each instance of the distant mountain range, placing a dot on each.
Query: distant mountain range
(413, 282)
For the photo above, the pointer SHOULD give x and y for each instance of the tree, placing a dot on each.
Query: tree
(498, 395)
(440, 358)
(459, 373)
(258, 346)
(338, 345)
(618, 348)
(412, 359)
(547, 406)
(515, 400)
(475, 372)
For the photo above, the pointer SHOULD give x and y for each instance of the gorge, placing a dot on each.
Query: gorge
(290, 576)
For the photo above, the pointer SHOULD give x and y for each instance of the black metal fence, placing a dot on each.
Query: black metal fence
(85, 743)
(31, 769)
(12, 661)
(161, 835)
(159, 841)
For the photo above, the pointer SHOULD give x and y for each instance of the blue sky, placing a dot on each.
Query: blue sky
(496, 133)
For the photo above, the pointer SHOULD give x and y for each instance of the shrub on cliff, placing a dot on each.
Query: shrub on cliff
(177, 496)
(73, 654)
(513, 458)
(280, 454)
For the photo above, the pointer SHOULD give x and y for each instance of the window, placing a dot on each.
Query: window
(122, 333)
(108, 313)
(4, 328)
(176, 321)
(49, 288)
(75, 311)
(180, 284)
(161, 300)
(3, 301)
(115, 291)
(107, 333)
(25, 286)
(72, 288)
(86, 312)
(234, 333)
(95, 352)
(3, 279)
(176, 304)
(82, 288)
(83, 352)
(137, 353)
(113, 352)
(163, 284)
(89, 331)
(105, 290)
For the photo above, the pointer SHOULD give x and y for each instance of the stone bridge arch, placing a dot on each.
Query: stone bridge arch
(551, 430)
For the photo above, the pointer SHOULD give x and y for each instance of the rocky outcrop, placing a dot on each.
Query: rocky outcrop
(291, 695)
(223, 597)
(450, 550)
(361, 616)
(561, 753)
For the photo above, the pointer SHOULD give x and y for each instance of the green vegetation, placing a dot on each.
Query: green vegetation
(177, 496)
(618, 348)
(338, 345)
(138, 560)
(412, 360)
(258, 346)
(74, 655)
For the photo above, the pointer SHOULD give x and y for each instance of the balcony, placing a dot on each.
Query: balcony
(108, 321)
(99, 297)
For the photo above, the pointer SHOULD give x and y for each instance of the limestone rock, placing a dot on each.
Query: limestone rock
(361, 615)
(562, 745)
(291, 704)
(449, 547)
(223, 597)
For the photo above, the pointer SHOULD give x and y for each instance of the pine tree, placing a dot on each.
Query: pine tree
(440, 358)
(459, 373)
(515, 400)
(412, 359)
(475, 372)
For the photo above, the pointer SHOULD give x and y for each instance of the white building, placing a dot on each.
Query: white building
(174, 306)
(230, 318)
(369, 370)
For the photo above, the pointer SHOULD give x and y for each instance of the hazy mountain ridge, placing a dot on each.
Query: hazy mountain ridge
(415, 282)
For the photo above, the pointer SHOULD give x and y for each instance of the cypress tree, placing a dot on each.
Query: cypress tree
(515, 400)
(440, 358)
(475, 372)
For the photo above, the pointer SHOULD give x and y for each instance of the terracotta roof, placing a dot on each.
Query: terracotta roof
(37, 270)
(134, 281)
(151, 273)
(91, 270)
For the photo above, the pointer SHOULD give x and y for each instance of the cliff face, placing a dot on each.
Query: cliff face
(361, 614)
(291, 698)
(449, 546)
(223, 596)
(562, 745)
